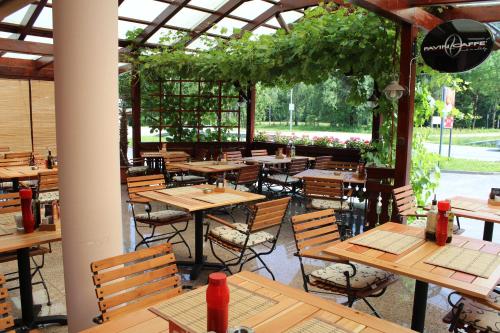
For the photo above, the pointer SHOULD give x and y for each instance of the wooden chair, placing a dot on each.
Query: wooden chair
(157, 219)
(11, 162)
(135, 166)
(48, 186)
(136, 280)
(316, 231)
(247, 177)
(324, 193)
(471, 315)
(6, 319)
(322, 162)
(285, 178)
(19, 154)
(258, 152)
(10, 206)
(176, 175)
(342, 166)
(4, 149)
(234, 156)
(242, 240)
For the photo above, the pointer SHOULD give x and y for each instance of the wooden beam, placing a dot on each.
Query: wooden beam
(251, 105)
(282, 22)
(210, 21)
(29, 25)
(8, 7)
(18, 46)
(406, 107)
(17, 29)
(477, 13)
(428, 3)
(136, 113)
(23, 69)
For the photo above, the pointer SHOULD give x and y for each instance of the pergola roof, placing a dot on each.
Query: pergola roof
(26, 25)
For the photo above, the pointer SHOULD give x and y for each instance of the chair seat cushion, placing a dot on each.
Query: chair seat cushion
(188, 178)
(241, 188)
(138, 169)
(481, 316)
(328, 204)
(46, 197)
(235, 237)
(366, 277)
(282, 179)
(162, 216)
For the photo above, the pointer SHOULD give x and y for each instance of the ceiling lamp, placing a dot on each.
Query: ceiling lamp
(394, 91)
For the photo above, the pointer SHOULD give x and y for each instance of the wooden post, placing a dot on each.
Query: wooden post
(406, 106)
(136, 113)
(250, 115)
(376, 124)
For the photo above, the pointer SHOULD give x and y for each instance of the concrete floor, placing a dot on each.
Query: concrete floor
(395, 305)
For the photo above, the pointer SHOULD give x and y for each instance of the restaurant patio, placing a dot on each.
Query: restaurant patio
(106, 232)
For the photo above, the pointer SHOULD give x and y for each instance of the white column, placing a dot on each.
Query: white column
(86, 89)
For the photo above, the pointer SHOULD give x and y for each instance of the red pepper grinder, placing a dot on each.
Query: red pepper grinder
(27, 211)
(442, 222)
(217, 303)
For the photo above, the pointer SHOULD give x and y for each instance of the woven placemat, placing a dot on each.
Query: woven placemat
(465, 260)
(189, 310)
(7, 224)
(315, 325)
(467, 205)
(388, 241)
(181, 190)
(218, 198)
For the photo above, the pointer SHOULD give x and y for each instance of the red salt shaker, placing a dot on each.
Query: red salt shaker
(217, 303)
(28, 219)
(442, 222)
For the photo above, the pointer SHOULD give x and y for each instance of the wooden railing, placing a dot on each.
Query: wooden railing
(379, 185)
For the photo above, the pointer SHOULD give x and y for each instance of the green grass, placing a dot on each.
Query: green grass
(465, 137)
(303, 127)
(460, 164)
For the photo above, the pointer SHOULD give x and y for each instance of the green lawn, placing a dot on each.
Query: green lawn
(467, 137)
(303, 127)
(460, 164)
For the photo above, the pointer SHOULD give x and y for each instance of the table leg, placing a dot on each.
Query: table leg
(15, 184)
(419, 306)
(488, 231)
(259, 182)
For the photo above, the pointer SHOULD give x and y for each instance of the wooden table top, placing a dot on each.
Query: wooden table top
(346, 176)
(473, 208)
(190, 203)
(293, 308)
(272, 160)
(411, 262)
(163, 153)
(21, 240)
(207, 166)
(21, 172)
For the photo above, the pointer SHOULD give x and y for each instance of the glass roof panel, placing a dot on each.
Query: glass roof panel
(187, 18)
(228, 25)
(164, 32)
(124, 26)
(291, 16)
(37, 39)
(18, 16)
(263, 31)
(200, 44)
(44, 20)
(251, 9)
(146, 10)
(208, 4)
(21, 56)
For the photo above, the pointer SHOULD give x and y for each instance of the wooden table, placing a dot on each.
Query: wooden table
(189, 203)
(346, 176)
(293, 308)
(17, 173)
(477, 209)
(21, 243)
(272, 160)
(411, 263)
(207, 167)
(154, 159)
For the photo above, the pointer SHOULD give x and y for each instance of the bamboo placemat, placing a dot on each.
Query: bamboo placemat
(218, 198)
(387, 241)
(182, 190)
(315, 325)
(467, 205)
(7, 224)
(190, 309)
(465, 260)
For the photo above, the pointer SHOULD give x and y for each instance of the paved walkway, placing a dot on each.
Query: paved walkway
(467, 152)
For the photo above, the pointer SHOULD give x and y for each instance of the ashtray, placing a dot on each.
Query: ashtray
(337, 173)
(34, 167)
(207, 190)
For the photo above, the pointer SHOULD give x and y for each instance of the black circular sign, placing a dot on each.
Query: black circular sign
(457, 46)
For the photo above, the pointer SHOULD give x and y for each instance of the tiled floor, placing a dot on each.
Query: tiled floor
(394, 305)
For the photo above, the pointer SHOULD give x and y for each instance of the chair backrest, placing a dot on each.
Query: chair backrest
(48, 181)
(234, 156)
(321, 162)
(10, 203)
(342, 166)
(11, 162)
(248, 174)
(315, 229)
(144, 183)
(405, 200)
(6, 319)
(259, 152)
(323, 188)
(4, 149)
(297, 165)
(268, 214)
(19, 154)
(135, 280)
